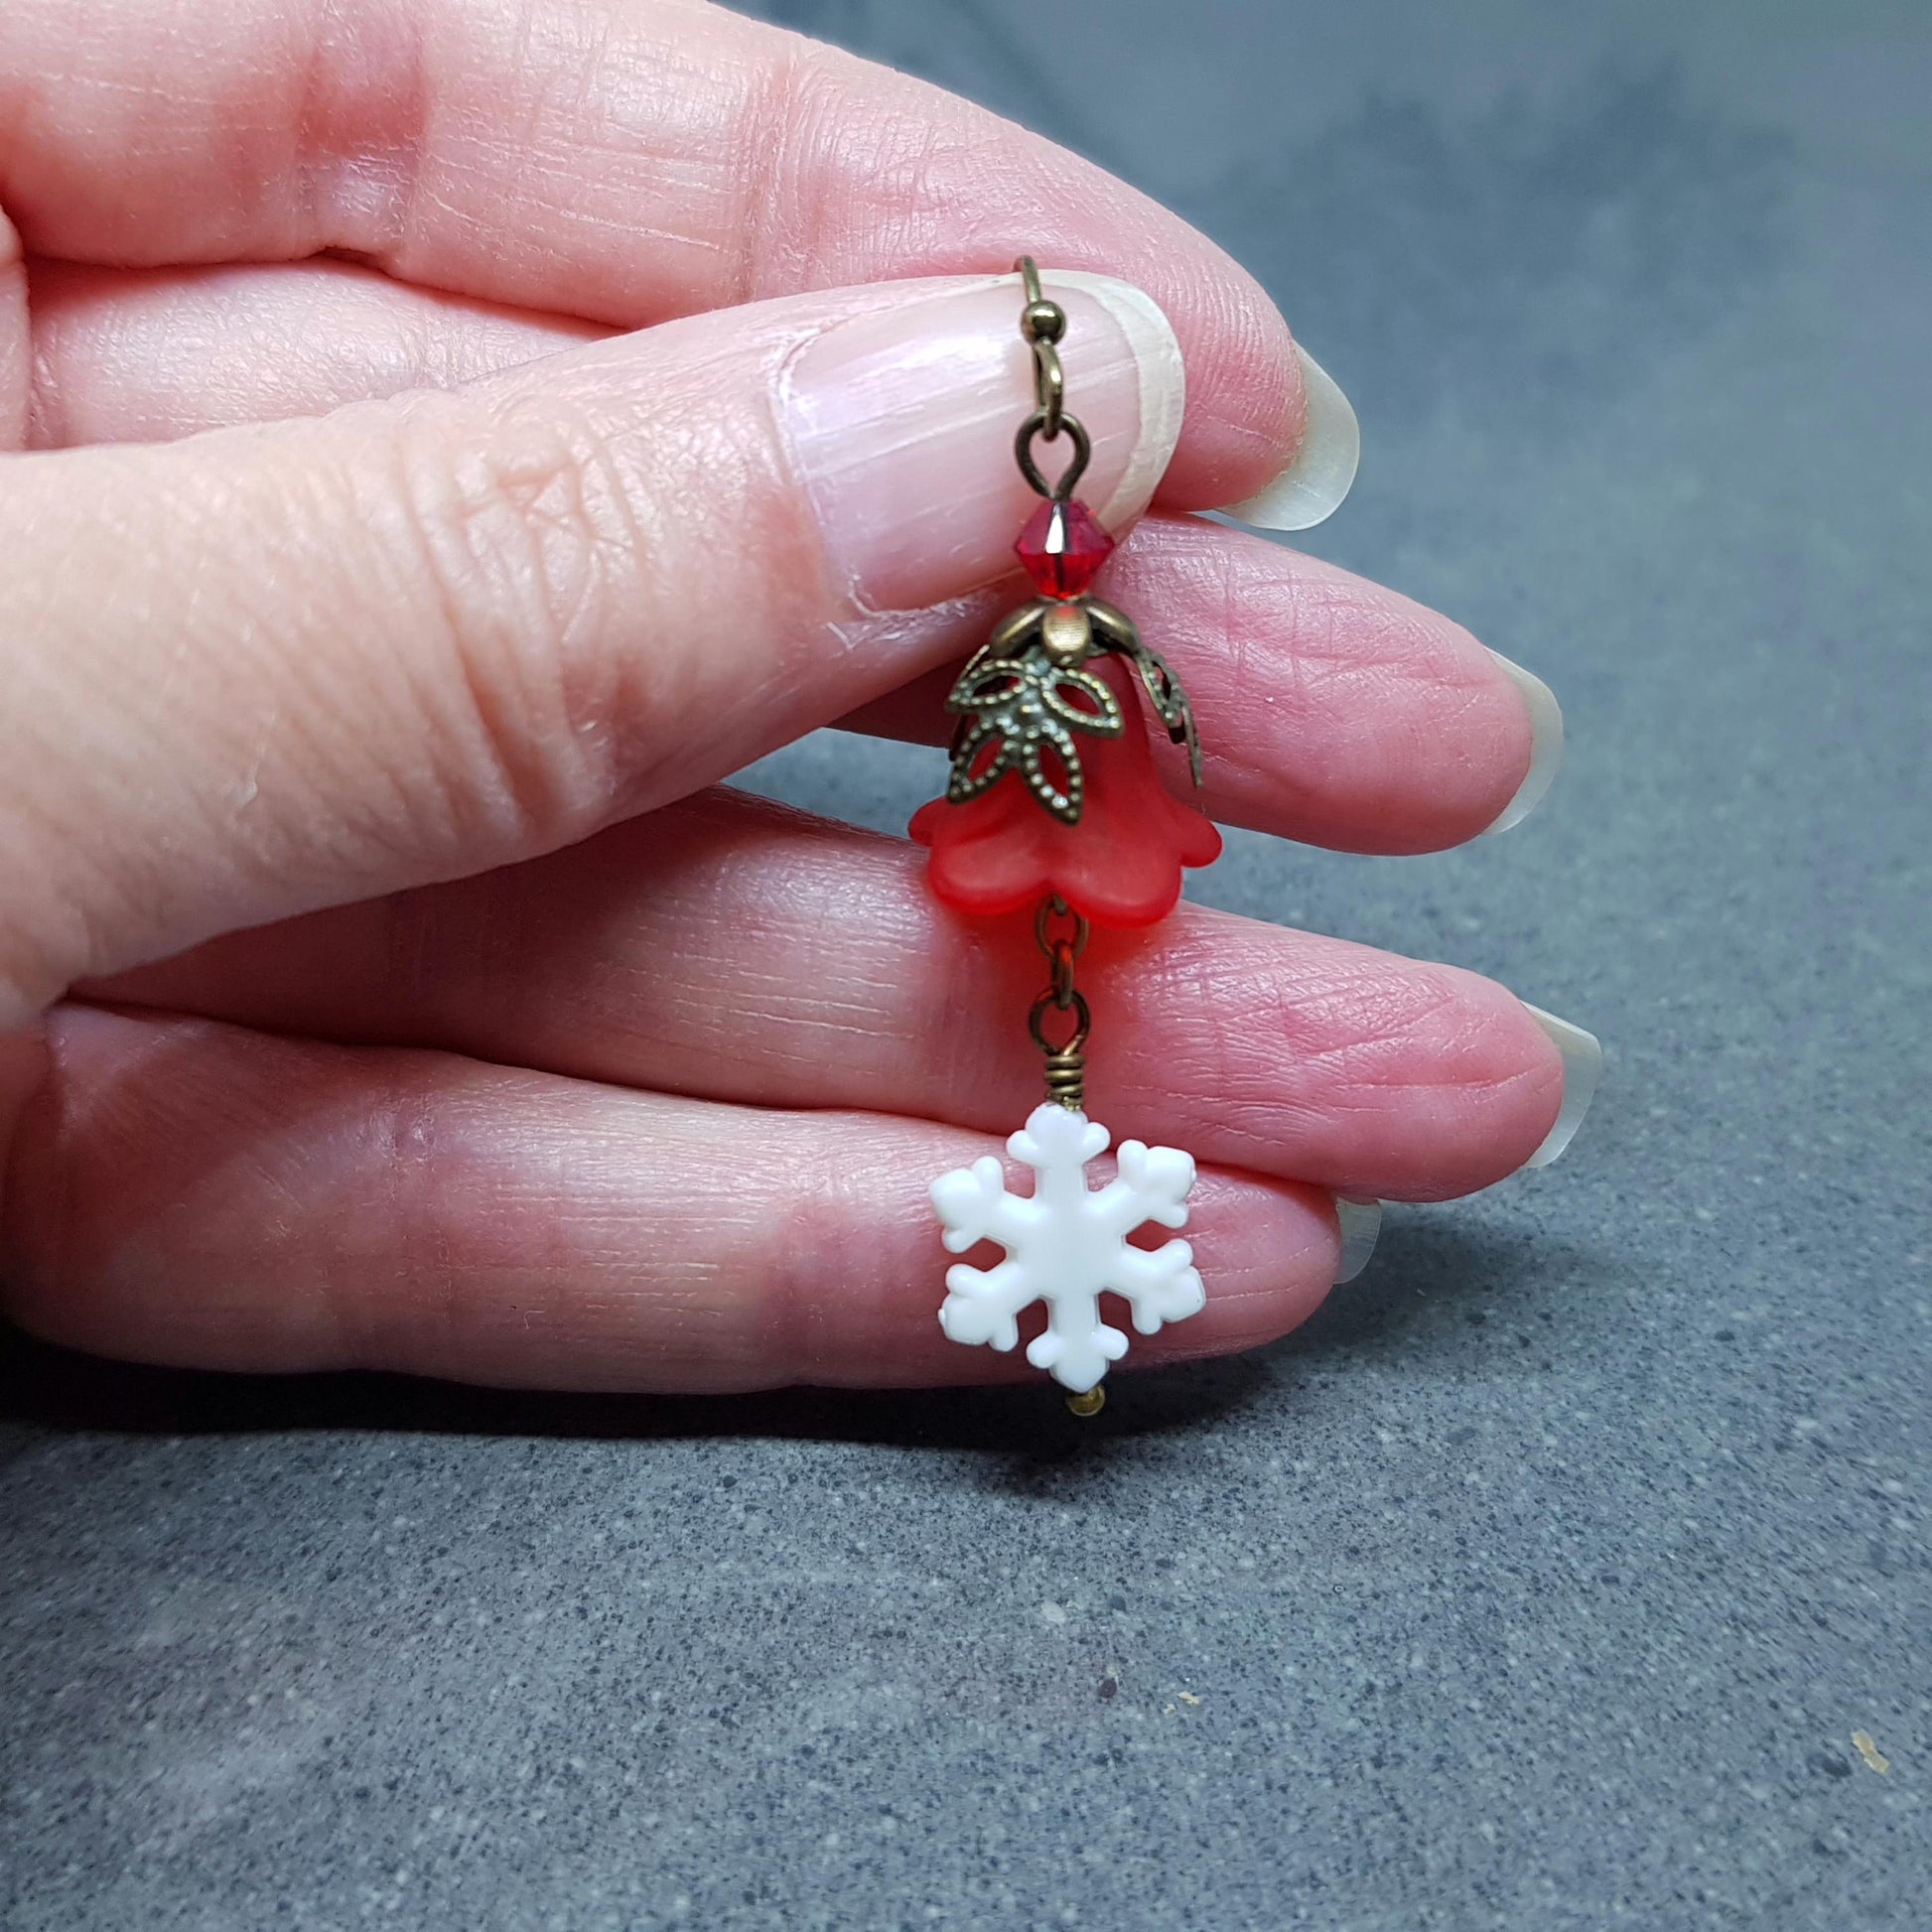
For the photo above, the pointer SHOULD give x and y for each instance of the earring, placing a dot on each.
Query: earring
(1054, 801)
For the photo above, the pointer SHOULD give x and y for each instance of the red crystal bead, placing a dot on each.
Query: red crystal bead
(1062, 548)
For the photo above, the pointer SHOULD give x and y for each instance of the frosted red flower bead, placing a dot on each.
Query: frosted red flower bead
(1120, 865)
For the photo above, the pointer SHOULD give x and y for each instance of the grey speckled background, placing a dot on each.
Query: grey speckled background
(1544, 1580)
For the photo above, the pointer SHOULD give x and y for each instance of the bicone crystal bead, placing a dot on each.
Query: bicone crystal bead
(1062, 548)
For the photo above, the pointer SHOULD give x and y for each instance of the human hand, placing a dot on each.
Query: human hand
(382, 985)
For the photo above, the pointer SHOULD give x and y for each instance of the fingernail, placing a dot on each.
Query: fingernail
(1309, 490)
(1583, 1064)
(1361, 1223)
(901, 421)
(1546, 747)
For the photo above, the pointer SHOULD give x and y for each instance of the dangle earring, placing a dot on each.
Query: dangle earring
(1054, 802)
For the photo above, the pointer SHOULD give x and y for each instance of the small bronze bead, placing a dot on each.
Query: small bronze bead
(1044, 321)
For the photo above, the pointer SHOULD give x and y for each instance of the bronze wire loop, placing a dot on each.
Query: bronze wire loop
(1061, 490)
(1053, 906)
(1066, 1064)
(1062, 974)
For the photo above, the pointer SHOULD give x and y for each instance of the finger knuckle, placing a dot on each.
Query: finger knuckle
(521, 526)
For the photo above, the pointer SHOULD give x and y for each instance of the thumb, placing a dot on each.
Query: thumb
(266, 670)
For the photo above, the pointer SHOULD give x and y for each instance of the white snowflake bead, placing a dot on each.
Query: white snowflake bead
(1066, 1246)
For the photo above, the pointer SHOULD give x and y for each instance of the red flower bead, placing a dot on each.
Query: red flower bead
(1118, 867)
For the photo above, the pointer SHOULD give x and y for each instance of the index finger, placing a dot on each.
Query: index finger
(625, 161)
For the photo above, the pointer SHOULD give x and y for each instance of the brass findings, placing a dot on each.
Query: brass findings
(1066, 1061)
(1043, 324)
(1025, 693)
(1012, 711)
(1025, 689)
(1066, 633)
(1036, 425)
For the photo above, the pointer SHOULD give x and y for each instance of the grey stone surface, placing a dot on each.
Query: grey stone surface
(1544, 1578)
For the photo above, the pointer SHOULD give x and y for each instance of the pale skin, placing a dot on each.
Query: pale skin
(407, 524)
